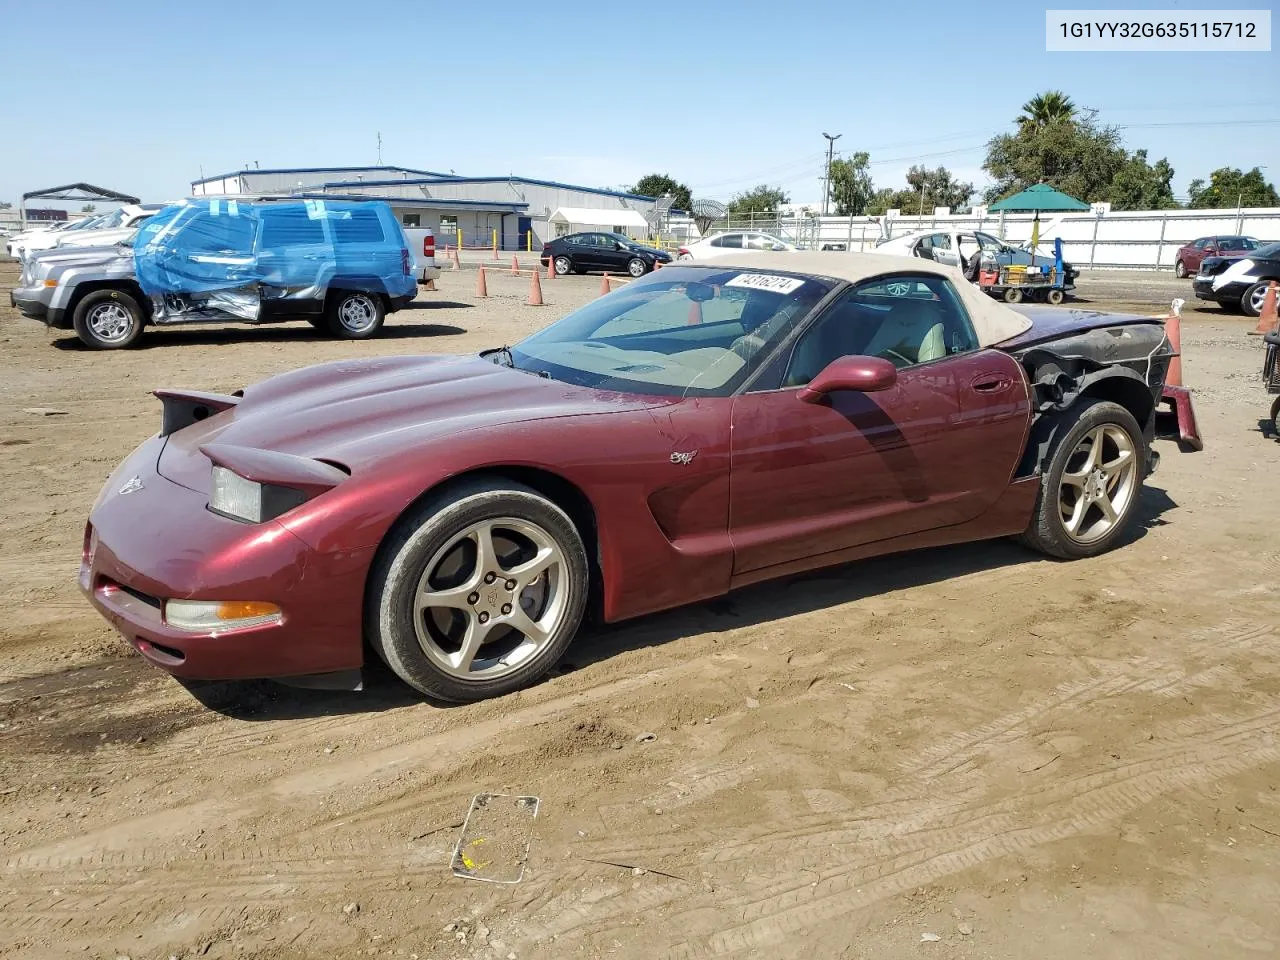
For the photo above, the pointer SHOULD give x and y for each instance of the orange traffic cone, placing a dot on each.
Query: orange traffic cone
(454, 256)
(515, 266)
(604, 284)
(535, 290)
(429, 285)
(1267, 317)
(695, 313)
(482, 288)
(551, 268)
(657, 264)
(1173, 330)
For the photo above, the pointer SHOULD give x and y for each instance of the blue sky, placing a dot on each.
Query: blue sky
(722, 95)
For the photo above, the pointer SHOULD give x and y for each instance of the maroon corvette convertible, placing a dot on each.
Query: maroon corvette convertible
(702, 428)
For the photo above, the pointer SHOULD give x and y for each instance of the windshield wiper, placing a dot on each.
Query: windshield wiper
(501, 356)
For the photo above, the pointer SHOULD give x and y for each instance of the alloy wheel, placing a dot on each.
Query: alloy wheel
(357, 313)
(110, 322)
(1098, 484)
(491, 599)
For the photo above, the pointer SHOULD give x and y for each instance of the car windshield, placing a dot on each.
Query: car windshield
(681, 331)
(85, 223)
(112, 219)
(1238, 243)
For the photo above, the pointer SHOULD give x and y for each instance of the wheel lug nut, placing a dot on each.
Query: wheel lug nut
(511, 584)
(506, 609)
(484, 618)
(490, 577)
(473, 599)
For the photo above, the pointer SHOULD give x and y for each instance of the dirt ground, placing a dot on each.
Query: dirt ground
(970, 752)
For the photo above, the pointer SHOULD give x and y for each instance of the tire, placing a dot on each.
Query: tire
(685, 256)
(1275, 418)
(1180, 270)
(429, 550)
(1080, 425)
(108, 320)
(354, 314)
(1251, 299)
(564, 266)
(636, 267)
(1012, 295)
(1054, 297)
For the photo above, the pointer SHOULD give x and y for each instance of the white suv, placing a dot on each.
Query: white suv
(113, 228)
(724, 244)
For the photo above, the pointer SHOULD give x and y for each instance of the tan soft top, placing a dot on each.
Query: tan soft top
(993, 322)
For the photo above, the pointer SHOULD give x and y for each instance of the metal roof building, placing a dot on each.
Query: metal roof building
(521, 212)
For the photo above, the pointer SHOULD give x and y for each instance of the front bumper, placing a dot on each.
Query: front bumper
(30, 301)
(157, 541)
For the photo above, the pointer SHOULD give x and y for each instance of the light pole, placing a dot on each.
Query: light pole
(826, 183)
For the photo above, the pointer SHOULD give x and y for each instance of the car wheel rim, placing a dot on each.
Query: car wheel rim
(1257, 297)
(357, 313)
(491, 599)
(562, 265)
(1098, 483)
(110, 322)
(636, 268)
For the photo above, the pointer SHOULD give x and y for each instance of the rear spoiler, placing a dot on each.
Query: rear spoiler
(182, 408)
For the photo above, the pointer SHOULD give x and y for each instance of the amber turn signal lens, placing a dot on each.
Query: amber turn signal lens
(245, 609)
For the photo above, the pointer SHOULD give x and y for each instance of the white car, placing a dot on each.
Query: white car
(18, 243)
(958, 248)
(723, 244)
(119, 225)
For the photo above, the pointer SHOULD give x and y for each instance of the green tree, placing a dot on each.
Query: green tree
(1229, 187)
(760, 199)
(1046, 108)
(1139, 185)
(88, 208)
(851, 185)
(1076, 156)
(925, 190)
(659, 185)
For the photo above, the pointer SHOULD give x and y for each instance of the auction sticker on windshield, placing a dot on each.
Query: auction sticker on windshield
(766, 281)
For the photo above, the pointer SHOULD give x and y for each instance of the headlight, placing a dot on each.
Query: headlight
(250, 502)
(214, 616)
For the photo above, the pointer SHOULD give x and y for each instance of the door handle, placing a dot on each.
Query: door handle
(990, 384)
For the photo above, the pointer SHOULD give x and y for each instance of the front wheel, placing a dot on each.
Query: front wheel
(1013, 295)
(1180, 270)
(478, 593)
(1055, 296)
(108, 320)
(1090, 489)
(1251, 300)
(354, 315)
(636, 267)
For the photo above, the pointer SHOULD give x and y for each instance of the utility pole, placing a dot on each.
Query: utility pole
(379, 148)
(826, 182)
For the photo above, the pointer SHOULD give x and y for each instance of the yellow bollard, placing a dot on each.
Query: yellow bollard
(495, 244)
(459, 238)
(528, 241)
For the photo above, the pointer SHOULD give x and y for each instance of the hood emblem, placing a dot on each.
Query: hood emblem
(132, 485)
(684, 459)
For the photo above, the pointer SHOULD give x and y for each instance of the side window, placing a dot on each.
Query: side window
(1201, 243)
(757, 241)
(358, 226)
(717, 241)
(905, 319)
(208, 233)
(733, 240)
(289, 227)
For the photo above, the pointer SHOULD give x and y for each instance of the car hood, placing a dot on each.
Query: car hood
(81, 255)
(364, 412)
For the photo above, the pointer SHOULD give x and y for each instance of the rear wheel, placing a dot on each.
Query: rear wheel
(108, 320)
(1013, 295)
(1252, 299)
(354, 315)
(1180, 270)
(564, 266)
(1090, 489)
(1055, 296)
(478, 593)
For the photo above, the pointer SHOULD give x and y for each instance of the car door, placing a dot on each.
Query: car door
(593, 251)
(936, 449)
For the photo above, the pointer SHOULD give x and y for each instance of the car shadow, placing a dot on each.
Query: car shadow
(274, 333)
(760, 603)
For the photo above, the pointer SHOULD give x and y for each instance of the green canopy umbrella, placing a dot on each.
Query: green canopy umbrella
(1038, 198)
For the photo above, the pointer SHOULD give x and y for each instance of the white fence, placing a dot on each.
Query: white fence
(1142, 239)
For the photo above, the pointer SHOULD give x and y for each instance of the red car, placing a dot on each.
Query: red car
(700, 429)
(1188, 258)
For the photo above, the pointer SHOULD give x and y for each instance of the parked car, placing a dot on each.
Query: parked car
(120, 224)
(725, 244)
(422, 245)
(1239, 283)
(702, 428)
(16, 245)
(602, 252)
(340, 265)
(958, 248)
(1188, 258)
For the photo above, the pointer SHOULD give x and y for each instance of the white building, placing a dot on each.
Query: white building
(519, 212)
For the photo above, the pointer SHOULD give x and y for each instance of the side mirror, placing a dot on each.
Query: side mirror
(864, 374)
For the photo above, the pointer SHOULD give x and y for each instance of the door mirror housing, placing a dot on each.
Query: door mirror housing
(864, 374)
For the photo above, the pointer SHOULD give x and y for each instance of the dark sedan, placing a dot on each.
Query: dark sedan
(1239, 284)
(602, 253)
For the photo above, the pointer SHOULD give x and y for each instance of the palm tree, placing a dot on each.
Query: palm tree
(1045, 108)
